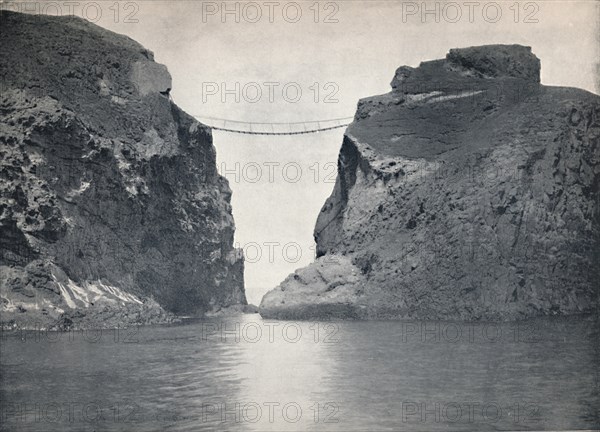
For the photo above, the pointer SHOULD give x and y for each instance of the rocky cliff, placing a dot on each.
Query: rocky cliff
(470, 191)
(111, 204)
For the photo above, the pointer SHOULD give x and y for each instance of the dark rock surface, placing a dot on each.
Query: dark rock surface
(110, 195)
(468, 192)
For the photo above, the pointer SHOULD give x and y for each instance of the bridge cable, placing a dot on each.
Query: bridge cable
(252, 128)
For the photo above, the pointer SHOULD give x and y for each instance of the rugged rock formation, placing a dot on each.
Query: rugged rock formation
(468, 192)
(110, 195)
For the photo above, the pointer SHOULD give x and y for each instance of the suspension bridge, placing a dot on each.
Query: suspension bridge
(274, 128)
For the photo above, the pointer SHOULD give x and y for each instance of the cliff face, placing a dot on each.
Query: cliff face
(470, 191)
(110, 193)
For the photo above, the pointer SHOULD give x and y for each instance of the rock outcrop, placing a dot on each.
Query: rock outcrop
(110, 196)
(470, 191)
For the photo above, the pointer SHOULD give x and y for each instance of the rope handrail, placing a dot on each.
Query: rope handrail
(272, 123)
(308, 126)
(279, 133)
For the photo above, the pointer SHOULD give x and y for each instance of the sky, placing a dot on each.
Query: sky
(317, 60)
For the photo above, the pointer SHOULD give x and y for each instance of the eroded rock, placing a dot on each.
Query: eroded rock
(468, 192)
(110, 196)
(329, 287)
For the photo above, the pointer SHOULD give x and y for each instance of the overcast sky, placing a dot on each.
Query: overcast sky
(351, 52)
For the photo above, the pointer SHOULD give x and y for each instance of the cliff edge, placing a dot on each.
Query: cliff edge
(111, 206)
(470, 191)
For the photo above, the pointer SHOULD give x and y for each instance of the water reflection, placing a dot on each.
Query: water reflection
(246, 374)
(284, 370)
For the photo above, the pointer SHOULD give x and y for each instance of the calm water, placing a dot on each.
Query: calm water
(246, 374)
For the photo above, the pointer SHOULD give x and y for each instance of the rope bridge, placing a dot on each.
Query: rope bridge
(274, 128)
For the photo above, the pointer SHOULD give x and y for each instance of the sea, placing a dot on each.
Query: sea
(243, 373)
